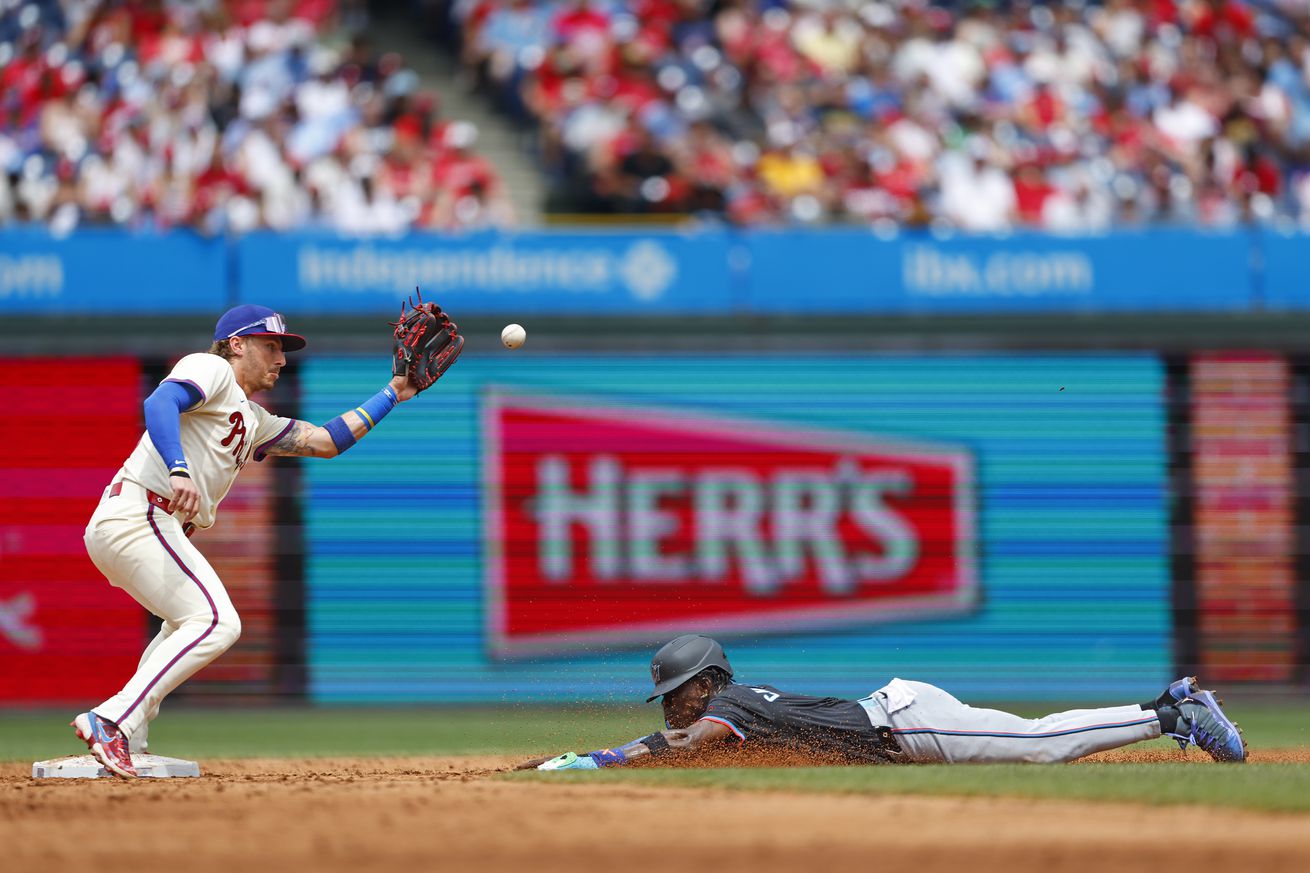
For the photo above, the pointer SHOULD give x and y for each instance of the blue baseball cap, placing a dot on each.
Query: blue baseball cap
(250, 319)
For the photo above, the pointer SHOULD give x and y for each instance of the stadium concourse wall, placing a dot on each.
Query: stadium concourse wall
(1011, 466)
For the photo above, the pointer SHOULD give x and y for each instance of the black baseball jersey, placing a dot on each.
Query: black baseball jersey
(823, 726)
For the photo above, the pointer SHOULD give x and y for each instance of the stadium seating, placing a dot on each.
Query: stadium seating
(225, 117)
(981, 115)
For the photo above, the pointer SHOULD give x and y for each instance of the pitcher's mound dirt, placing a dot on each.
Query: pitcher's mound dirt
(407, 814)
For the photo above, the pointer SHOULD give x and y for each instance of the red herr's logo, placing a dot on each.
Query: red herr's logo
(609, 524)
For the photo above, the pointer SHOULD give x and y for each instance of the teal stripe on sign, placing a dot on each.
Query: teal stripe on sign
(1072, 521)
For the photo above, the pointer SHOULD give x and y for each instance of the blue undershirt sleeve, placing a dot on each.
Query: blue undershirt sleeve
(163, 411)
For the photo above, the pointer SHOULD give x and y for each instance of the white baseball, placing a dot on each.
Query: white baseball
(513, 336)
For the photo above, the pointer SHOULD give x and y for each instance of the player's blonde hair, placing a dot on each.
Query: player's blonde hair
(222, 348)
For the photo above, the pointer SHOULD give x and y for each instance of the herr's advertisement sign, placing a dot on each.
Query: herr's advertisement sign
(620, 525)
(677, 497)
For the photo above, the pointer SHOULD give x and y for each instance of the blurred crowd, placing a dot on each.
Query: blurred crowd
(232, 115)
(981, 115)
(225, 116)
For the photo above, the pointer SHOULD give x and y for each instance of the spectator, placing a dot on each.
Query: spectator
(226, 117)
(1088, 115)
(976, 193)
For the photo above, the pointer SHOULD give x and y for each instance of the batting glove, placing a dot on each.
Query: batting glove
(569, 761)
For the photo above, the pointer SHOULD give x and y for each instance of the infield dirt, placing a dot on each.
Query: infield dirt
(406, 814)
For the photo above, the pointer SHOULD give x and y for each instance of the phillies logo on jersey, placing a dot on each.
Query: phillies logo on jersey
(609, 524)
(236, 437)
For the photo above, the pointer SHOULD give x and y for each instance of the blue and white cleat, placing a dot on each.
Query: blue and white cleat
(1202, 722)
(1180, 689)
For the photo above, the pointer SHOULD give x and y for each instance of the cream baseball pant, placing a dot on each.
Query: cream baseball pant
(142, 549)
(931, 726)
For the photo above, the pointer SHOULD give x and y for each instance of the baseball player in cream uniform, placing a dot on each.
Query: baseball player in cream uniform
(201, 429)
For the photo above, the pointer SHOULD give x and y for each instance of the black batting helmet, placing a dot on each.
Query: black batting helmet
(681, 659)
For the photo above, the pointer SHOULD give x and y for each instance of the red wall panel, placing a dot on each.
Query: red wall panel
(66, 635)
(1245, 526)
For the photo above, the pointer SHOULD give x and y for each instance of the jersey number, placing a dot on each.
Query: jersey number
(769, 696)
(237, 434)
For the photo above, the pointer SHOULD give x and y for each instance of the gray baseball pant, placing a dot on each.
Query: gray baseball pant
(931, 726)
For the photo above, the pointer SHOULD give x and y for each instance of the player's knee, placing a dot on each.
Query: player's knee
(228, 630)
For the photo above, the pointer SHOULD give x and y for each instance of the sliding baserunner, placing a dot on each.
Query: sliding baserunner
(902, 722)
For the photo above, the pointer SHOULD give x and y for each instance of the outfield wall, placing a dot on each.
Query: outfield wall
(1003, 523)
(1035, 520)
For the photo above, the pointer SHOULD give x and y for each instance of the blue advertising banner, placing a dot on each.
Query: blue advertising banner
(1285, 285)
(111, 272)
(859, 271)
(994, 524)
(488, 272)
(713, 271)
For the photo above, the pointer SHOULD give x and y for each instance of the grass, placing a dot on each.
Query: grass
(317, 732)
(1268, 787)
(529, 730)
(299, 732)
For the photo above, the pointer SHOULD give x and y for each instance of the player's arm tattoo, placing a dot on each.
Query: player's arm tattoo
(298, 441)
(307, 440)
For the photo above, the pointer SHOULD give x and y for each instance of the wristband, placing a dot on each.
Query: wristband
(180, 471)
(608, 757)
(656, 743)
(370, 412)
(377, 406)
(342, 438)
